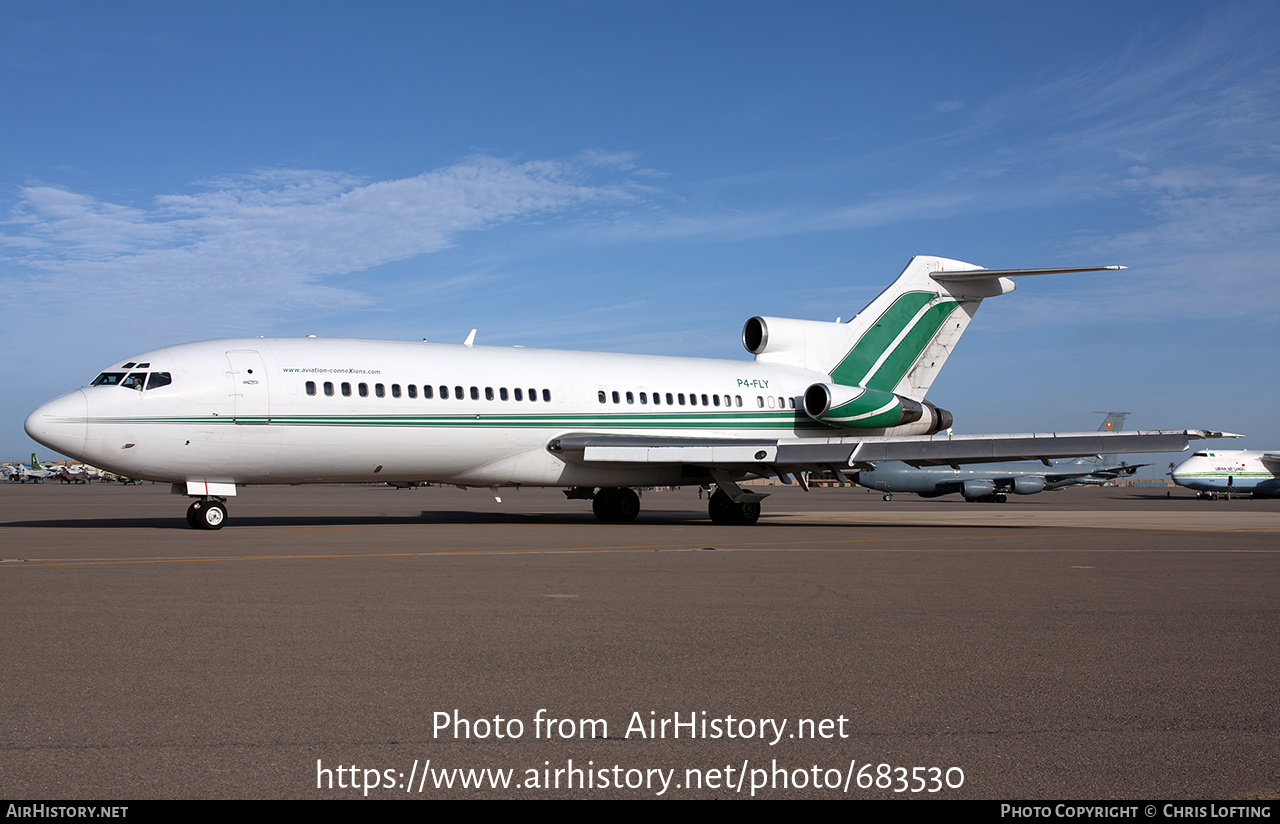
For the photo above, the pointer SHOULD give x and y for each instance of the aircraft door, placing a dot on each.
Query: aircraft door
(249, 387)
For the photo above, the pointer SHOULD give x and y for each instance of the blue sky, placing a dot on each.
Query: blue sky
(644, 177)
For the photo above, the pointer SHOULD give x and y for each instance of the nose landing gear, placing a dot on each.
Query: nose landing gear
(206, 514)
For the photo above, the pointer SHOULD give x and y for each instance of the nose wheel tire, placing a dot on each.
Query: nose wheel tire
(206, 515)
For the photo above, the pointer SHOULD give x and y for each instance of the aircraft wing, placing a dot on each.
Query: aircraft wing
(768, 456)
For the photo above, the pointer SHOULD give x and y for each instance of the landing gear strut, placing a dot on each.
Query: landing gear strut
(725, 512)
(616, 504)
(206, 514)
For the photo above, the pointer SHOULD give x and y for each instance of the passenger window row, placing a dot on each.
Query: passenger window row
(445, 392)
(672, 399)
(692, 399)
(429, 392)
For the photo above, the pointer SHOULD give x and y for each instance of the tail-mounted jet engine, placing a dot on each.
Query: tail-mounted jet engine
(856, 407)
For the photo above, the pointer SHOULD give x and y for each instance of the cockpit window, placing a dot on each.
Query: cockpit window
(135, 380)
(108, 379)
(159, 379)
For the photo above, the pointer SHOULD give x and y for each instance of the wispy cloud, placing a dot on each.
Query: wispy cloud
(274, 237)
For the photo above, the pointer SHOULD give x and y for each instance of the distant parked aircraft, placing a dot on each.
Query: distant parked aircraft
(1234, 471)
(994, 481)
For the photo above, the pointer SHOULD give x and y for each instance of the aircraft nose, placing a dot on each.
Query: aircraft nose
(61, 424)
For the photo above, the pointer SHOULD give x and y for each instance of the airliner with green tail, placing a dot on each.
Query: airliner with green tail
(210, 417)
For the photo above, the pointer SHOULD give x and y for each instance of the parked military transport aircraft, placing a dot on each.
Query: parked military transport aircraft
(991, 483)
(209, 417)
(1234, 471)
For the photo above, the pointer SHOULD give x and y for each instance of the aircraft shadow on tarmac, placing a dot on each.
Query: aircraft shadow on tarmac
(464, 517)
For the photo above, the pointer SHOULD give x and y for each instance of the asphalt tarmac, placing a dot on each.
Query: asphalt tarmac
(1085, 644)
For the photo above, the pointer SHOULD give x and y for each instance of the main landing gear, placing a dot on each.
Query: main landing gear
(207, 514)
(616, 504)
(725, 512)
(619, 504)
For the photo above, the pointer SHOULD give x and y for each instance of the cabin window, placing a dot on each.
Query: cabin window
(379, 390)
(739, 399)
(644, 398)
(759, 401)
(680, 397)
(311, 387)
(601, 396)
(444, 393)
(427, 391)
(457, 392)
(328, 389)
(533, 394)
(716, 398)
(395, 390)
(669, 400)
(475, 393)
(546, 395)
(502, 393)
(616, 399)
(413, 390)
(346, 389)
(488, 393)
(519, 394)
(631, 398)
(704, 401)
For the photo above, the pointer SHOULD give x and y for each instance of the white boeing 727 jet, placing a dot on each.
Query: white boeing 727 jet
(211, 416)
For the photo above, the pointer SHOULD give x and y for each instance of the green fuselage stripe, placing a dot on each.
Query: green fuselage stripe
(783, 419)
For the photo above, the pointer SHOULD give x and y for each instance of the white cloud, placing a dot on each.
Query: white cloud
(273, 237)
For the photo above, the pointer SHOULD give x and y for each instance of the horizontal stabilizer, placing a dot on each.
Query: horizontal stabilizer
(972, 274)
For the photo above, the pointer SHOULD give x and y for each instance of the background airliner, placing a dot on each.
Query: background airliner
(1240, 471)
(211, 416)
(991, 483)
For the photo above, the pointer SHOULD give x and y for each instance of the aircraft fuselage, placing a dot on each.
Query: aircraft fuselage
(311, 410)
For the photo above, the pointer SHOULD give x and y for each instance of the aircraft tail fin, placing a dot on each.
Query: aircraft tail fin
(900, 341)
(1114, 422)
(34, 463)
(904, 336)
(882, 362)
